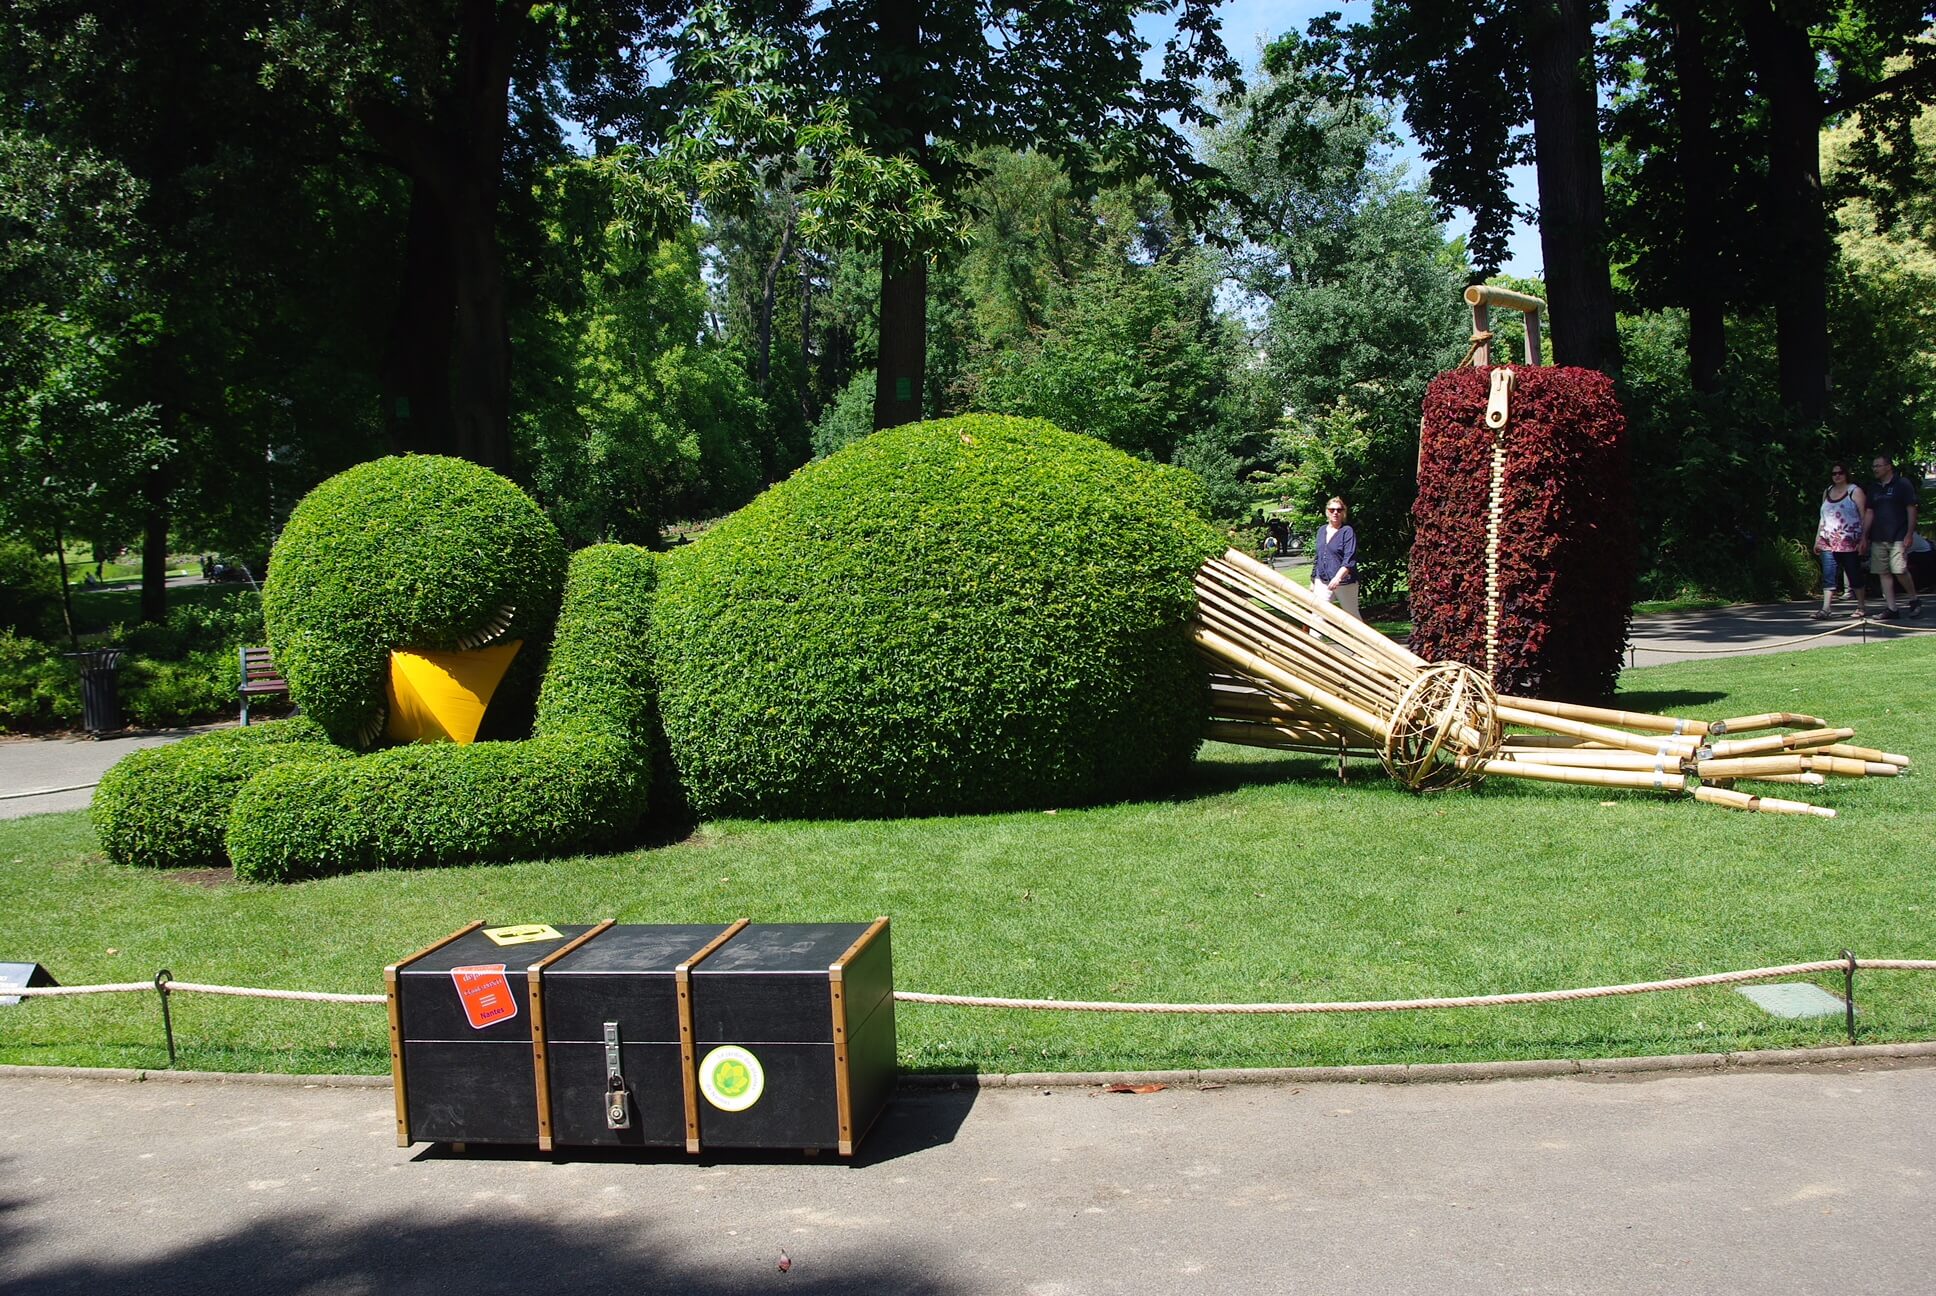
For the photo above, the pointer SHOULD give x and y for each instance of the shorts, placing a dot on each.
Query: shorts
(1890, 556)
(1839, 566)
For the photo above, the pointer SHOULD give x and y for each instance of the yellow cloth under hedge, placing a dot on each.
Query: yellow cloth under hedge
(442, 696)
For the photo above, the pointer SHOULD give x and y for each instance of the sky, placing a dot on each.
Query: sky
(1248, 25)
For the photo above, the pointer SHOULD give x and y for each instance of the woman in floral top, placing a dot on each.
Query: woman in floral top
(1838, 539)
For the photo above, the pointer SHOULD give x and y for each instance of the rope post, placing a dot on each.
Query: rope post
(162, 978)
(1848, 991)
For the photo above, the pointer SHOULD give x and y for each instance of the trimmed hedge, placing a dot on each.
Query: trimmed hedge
(1567, 544)
(414, 551)
(970, 614)
(580, 784)
(168, 807)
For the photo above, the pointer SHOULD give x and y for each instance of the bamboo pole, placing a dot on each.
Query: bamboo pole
(1598, 733)
(1778, 742)
(1242, 623)
(1766, 805)
(1355, 716)
(1812, 780)
(1663, 780)
(1601, 715)
(1866, 754)
(1770, 720)
(1750, 766)
(1341, 620)
(1589, 759)
(1255, 735)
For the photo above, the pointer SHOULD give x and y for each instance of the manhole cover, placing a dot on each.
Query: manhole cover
(1800, 999)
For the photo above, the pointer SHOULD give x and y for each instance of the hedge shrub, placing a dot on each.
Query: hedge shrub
(168, 807)
(411, 551)
(970, 614)
(30, 593)
(38, 688)
(579, 784)
(1567, 544)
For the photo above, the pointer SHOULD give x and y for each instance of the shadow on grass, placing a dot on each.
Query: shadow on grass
(1666, 701)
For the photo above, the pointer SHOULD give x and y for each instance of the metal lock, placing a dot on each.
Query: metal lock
(618, 1103)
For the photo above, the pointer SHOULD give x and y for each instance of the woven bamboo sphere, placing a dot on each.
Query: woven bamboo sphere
(1445, 726)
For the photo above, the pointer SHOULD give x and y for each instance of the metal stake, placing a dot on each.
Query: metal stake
(162, 978)
(1848, 992)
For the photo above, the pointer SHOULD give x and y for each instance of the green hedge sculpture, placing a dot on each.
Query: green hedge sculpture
(168, 807)
(972, 614)
(579, 783)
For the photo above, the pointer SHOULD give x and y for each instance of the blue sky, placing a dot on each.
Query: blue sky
(1249, 24)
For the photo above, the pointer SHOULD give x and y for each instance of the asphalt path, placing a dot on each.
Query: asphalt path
(1800, 1180)
(40, 775)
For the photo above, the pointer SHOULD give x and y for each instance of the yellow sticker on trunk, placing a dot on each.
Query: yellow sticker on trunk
(523, 934)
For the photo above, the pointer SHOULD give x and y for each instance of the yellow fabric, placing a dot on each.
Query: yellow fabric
(441, 696)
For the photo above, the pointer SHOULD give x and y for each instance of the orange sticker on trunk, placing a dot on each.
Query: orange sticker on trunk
(485, 993)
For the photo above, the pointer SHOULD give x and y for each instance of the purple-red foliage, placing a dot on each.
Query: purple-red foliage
(1566, 538)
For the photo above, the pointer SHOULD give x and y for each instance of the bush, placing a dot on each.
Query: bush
(200, 686)
(168, 807)
(437, 804)
(417, 551)
(1566, 535)
(969, 614)
(30, 599)
(38, 690)
(580, 783)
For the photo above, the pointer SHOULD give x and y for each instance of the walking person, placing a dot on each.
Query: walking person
(1838, 540)
(1888, 522)
(1334, 573)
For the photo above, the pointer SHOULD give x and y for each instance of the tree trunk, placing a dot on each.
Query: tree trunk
(1702, 286)
(453, 151)
(769, 293)
(1572, 218)
(416, 363)
(1784, 64)
(902, 367)
(154, 542)
(67, 595)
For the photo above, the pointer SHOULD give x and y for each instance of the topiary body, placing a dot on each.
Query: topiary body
(417, 551)
(963, 615)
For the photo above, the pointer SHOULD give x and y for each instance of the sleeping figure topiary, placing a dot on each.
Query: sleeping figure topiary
(965, 615)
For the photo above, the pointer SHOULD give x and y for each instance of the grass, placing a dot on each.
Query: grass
(1260, 879)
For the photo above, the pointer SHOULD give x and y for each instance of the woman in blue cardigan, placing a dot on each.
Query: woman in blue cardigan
(1334, 575)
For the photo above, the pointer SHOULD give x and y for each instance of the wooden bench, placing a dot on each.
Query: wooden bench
(260, 678)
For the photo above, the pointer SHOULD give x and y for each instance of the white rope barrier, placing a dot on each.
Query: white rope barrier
(1078, 1005)
(1641, 645)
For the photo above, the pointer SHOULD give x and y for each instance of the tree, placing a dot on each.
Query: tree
(633, 415)
(1361, 294)
(70, 445)
(1472, 78)
(458, 96)
(924, 83)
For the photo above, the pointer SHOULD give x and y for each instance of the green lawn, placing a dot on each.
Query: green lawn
(1262, 879)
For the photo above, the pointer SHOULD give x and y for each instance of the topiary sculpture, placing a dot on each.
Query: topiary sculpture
(432, 554)
(973, 614)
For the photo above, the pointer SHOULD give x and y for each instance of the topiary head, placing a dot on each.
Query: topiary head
(413, 552)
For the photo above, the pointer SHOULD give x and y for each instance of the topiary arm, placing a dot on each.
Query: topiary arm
(579, 784)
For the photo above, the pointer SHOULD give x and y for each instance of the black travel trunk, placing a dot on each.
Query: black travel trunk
(743, 1036)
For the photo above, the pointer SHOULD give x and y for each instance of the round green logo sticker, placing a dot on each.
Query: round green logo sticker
(731, 1078)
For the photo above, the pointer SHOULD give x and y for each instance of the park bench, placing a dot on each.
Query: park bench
(260, 677)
